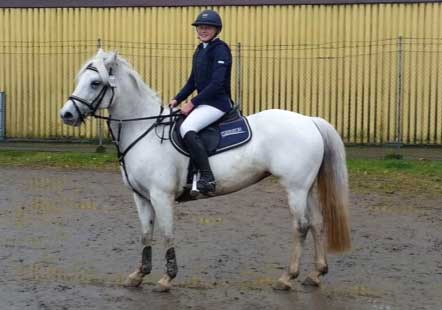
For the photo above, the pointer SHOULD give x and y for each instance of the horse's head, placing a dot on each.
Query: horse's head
(95, 89)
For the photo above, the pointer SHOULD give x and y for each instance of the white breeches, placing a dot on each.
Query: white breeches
(201, 117)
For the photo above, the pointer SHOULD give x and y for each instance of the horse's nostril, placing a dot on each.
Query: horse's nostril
(67, 115)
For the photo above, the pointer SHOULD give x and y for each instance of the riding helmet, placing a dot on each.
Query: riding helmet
(209, 17)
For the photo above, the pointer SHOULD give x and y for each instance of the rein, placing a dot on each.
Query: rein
(116, 139)
(95, 104)
(159, 121)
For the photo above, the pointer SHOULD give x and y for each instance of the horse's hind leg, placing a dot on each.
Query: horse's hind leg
(319, 238)
(146, 214)
(298, 204)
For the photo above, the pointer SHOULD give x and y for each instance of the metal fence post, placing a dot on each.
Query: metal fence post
(399, 91)
(2, 116)
(100, 147)
(239, 90)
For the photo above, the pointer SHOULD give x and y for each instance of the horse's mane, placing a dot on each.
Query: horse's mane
(120, 65)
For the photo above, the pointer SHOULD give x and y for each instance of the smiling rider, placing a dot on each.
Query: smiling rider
(210, 76)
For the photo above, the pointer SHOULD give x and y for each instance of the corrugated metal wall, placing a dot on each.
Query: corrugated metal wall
(344, 63)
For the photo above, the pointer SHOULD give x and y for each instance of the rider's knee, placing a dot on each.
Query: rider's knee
(185, 128)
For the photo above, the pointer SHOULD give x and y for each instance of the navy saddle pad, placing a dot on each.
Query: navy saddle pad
(231, 131)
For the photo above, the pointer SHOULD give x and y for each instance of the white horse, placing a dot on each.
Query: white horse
(305, 153)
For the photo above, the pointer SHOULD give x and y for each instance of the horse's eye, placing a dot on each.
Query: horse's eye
(95, 84)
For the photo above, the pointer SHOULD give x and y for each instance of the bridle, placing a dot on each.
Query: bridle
(98, 100)
(96, 103)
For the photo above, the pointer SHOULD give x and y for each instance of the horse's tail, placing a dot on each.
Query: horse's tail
(333, 188)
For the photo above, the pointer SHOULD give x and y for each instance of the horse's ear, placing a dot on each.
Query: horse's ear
(100, 52)
(111, 59)
(114, 57)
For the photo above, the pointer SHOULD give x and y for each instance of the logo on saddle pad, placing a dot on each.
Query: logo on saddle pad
(231, 132)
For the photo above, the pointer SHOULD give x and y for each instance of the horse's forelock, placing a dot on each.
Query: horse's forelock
(97, 62)
(102, 71)
(84, 68)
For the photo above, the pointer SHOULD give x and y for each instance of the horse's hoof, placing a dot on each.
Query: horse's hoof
(164, 285)
(282, 285)
(160, 288)
(133, 280)
(311, 281)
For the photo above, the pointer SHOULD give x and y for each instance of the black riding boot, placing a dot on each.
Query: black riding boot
(206, 184)
(191, 170)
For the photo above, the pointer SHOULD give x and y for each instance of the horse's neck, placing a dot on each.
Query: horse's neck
(133, 104)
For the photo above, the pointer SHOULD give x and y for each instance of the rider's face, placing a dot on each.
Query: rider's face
(206, 33)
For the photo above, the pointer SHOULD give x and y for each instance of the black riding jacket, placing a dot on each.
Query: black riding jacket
(211, 75)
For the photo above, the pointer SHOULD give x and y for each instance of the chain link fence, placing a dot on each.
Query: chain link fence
(373, 92)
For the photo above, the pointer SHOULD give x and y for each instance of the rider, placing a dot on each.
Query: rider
(210, 76)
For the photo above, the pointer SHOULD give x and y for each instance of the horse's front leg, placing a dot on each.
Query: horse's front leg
(146, 214)
(163, 203)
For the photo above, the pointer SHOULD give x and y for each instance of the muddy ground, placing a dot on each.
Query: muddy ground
(69, 238)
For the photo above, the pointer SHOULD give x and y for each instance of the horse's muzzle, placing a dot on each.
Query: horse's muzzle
(69, 117)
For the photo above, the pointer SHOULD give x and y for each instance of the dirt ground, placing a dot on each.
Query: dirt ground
(69, 238)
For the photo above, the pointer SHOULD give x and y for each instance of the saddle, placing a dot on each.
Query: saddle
(231, 131)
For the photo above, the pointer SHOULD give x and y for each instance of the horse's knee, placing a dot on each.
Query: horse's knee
(146, 239)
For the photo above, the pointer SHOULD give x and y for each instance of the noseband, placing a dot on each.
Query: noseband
(96, 102)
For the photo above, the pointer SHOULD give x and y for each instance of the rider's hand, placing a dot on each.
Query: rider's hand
(187, 107)
(173, 103)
